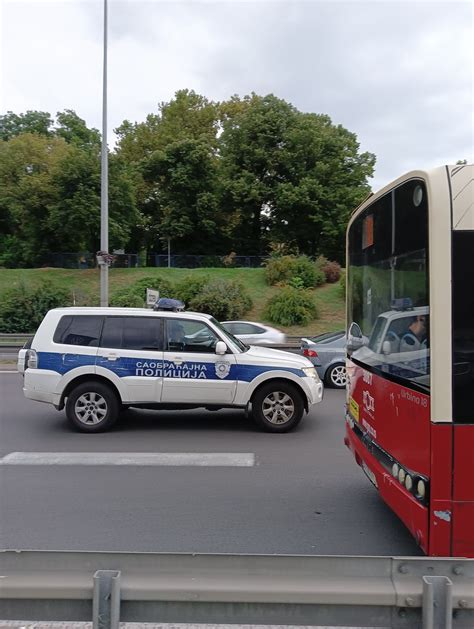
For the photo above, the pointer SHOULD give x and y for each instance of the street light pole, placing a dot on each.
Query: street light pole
(104, 182)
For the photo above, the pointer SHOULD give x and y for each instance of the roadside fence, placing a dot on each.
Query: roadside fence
(202, 261)
(88, 260)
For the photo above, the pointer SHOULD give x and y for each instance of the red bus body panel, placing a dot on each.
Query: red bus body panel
(397, 420)
(441, 490)
(463, 491)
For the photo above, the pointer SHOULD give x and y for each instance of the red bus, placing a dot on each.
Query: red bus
(410, 352)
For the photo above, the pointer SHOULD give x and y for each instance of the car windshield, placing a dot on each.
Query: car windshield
(242, 346)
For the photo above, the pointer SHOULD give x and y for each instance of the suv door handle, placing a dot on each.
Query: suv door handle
(111, 356)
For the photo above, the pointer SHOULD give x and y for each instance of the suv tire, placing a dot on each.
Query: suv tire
(92, 407)
(277, 406)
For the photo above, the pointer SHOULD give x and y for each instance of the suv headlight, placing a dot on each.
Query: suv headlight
(310, 372)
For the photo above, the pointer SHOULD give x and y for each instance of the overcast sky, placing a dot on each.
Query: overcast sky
(398, 74)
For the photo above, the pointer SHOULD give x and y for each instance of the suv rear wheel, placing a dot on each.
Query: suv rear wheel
(277, 407)
(92, 407)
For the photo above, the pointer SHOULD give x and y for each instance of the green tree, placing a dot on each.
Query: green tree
(250, 146)
(50, 196)
(74, 219)
(184, 174)
(12, 124)
(75, 131)
(27, 162)
(144, 149)
(289, 177)
(325, 179)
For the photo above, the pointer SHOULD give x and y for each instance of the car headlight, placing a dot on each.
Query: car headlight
(310, 372)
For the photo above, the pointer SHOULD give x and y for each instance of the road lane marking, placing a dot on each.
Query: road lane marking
(177, 459)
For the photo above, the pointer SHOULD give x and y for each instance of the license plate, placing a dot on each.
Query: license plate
(370, 475)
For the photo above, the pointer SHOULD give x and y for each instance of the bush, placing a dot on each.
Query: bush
(190, 286)
(282, 269)
(305, 269)
(160, 284)
(23, 308)
(332, 271)
(279, 269)
(229, 260)
(342, 284)
(135, 296)
(126, 299)
(223, 299)
(291, 306)
(321, 262)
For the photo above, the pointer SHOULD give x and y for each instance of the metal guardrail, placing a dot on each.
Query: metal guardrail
(14, 341)
(395, 592)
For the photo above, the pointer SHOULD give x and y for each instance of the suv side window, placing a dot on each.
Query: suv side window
(184, 335)
(143, 333)
(79, 330)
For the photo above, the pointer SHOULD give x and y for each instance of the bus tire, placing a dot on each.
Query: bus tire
(92, 407)
(277, 406)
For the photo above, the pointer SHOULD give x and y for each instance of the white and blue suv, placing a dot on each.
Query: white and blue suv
(97, 361)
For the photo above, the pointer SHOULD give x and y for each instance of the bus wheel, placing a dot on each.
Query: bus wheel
(277, 407)
(336, 376)
(92, 407)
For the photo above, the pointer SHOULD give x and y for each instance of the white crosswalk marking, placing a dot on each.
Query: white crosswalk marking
(177, 459)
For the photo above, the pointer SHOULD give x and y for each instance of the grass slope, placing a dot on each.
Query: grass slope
(85, 286)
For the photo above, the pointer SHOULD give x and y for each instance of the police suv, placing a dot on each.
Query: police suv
(94, 362)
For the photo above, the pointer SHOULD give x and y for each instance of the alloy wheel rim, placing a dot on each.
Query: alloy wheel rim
(278, 408)
(339, 376)
(90, 408)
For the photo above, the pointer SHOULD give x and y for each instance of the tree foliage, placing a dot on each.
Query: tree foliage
(242, 175)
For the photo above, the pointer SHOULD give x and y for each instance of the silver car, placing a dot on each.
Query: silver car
(327, 352)
(255, 333)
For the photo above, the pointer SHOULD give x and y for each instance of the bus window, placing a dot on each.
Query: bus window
(388, 266)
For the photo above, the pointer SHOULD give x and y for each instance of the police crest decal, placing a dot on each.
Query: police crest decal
(222, 369)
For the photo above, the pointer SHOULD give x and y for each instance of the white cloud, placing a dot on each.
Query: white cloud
(398, 74)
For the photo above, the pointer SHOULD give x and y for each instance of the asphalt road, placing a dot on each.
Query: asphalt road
(304, 495)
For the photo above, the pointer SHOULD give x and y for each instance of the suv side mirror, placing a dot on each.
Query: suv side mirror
(353, 343)
(355, 338)
(221, 348)
(386, 347)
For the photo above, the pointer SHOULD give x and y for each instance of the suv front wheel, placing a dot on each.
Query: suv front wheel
(277, 406)
(92, 407)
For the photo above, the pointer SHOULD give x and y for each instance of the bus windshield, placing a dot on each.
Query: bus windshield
(388, 282)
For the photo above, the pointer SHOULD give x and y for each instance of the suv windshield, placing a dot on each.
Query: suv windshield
(377, 332)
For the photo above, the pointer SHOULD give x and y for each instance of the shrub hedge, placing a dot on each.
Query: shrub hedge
(22, 308)
(223, 299)
(291, 306)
